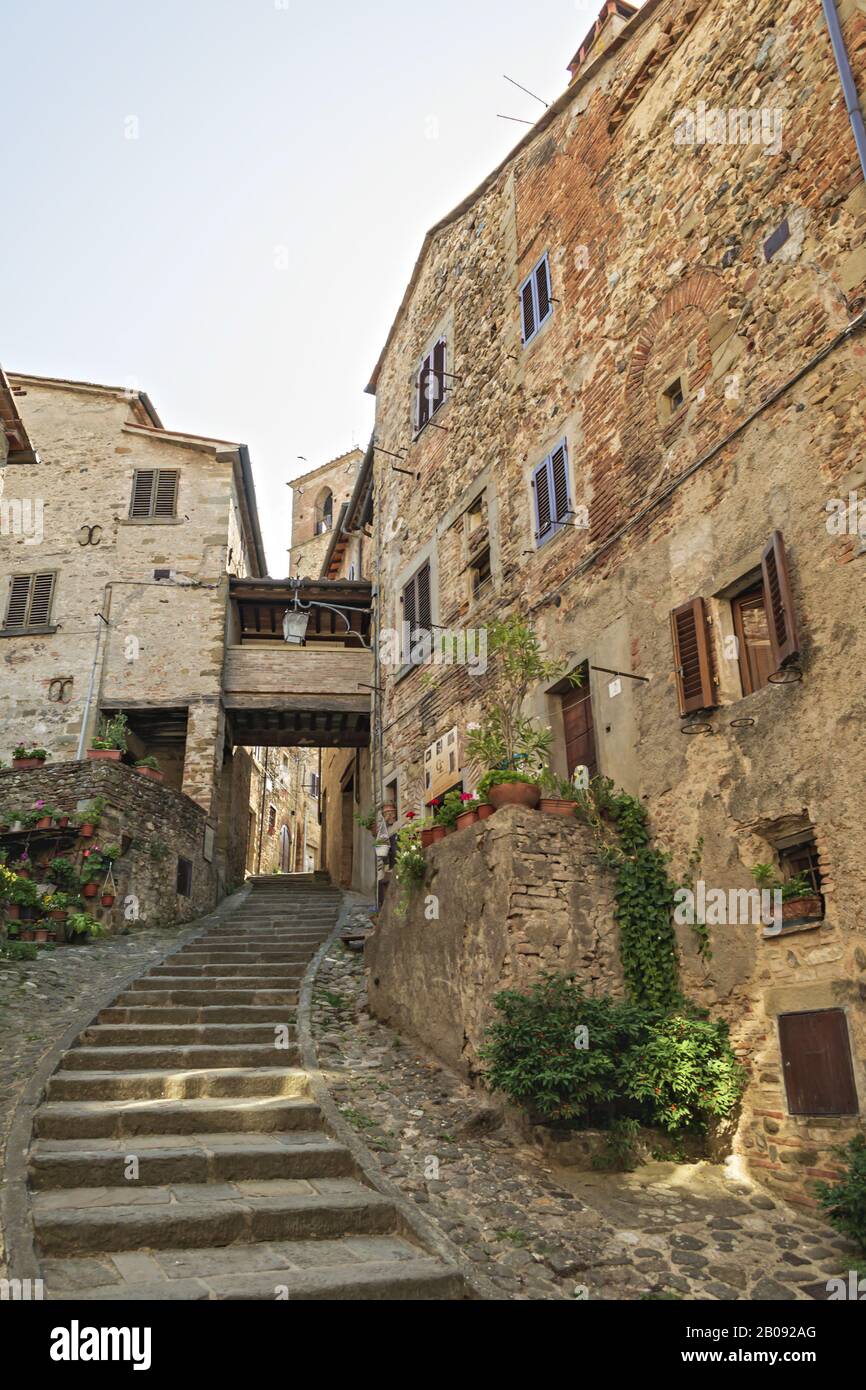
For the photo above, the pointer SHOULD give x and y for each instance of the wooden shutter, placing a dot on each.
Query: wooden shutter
(425, 617)
(816, 1062)
(541, 491)
(409, 608)
(527, 307)
(30, 600)
(142, 492)
(779, 602)
(439, 374)
(19, 594)
(423, 393)
(542, 290)
(559, 480)
(692, 661)
(165, 494)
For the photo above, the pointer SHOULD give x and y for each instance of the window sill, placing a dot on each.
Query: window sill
(528, 342)
(557, 530)
(795, 927)
(44, 631)
(151, 521)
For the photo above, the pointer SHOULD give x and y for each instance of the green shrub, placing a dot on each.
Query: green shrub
(673, 1071)
(845, 1201)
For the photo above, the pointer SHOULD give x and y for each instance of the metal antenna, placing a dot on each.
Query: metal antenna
(525, 89)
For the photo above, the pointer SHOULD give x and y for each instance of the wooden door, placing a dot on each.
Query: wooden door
(579, 732)
(753, 636)
(816, 1061)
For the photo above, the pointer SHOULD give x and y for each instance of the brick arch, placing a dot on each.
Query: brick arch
(702, 291)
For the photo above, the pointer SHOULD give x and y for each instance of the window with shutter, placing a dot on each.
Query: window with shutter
(154, 493)
(551, 493)
(779, 602)
(29, 603)
(417, 612)
(692, 658)
(536, 304)
(430, 385)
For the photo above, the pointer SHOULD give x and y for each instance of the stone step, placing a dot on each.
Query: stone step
(104, 1119)
(209, 1013)
(77, 1220)
(184, 1034)
(142, 1084)
(174, 1058)
(199, 997)
(149, 983)
(236, 955)
(206, 1158)
(420, 1280)
(247, 970)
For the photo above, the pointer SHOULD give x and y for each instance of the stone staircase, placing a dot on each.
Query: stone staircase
(178, 1153)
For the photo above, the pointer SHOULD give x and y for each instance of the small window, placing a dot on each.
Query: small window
(752, 629)
(184, 878)
(816, 1063)
(30, 598)
(154, 493)
(775, 242)
(551, 496)
(475, 514)
(272, 819)
(314, 784)
(417, 616)
(673, 397)
(325, 513)
(480, 574)
(536, 304)
(430, 385)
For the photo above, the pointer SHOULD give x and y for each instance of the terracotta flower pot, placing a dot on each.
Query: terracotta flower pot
(43, 823)
(24, 764)
(112, 755)
(12, 910)
(107, 900)
(52, 936)
(62, 821)
(514, 794)
(85, 830)
(437, 834)
(58, 914)
(90, 890)
(152, 772)
(556, 806)
(41, 933)
(807, 909)
(466, 818)
(485, 810)
(26, 933)
(426, 838)
(23, 873)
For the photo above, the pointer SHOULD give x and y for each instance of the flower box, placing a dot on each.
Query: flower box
(799, 910)
(514, 794)
(153, 773)
(112, 755)
(25, 764)
(556, 806)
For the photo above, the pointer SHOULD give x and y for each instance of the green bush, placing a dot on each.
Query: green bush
(673, 1071)
(845, 1201)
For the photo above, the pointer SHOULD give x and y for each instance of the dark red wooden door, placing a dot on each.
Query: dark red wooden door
(579, 731)
(816, 1061)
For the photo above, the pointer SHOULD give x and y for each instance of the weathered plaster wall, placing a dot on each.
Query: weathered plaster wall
(658, 272)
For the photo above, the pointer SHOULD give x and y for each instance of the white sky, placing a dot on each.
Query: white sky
(270, 132)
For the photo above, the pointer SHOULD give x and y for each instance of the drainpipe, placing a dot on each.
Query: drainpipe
(849, 89)
(85, 713)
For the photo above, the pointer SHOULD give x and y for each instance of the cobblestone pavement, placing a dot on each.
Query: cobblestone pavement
(665, 1231)
(40, 999)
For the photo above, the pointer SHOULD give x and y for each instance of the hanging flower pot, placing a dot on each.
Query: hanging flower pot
(90, 890)
(485, 810)
(112, 755)
(514, 794)
(382, 848)
(107, 899)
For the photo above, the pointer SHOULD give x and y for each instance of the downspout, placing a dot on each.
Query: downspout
(849, 89)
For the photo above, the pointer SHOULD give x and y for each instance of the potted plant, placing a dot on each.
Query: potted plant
(41, 929)
(449, 810)
(81, 927)
(558, 794)
(382, 847)
(149, 767)
(23, 865)
(24, 758)
(62, 872)
(426, 828)
(110, 740)
(22, 893)
(91, 869)
(468, 814)
(89, 817)
(44, 815)
(27, 932)
(61, 819)
(800, 903)
(511, 745)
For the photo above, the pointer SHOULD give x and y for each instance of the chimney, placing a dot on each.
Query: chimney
(615, 15)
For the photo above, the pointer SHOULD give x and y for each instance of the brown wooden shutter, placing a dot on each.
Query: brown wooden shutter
(409, 609)
(559, 469)
(41, 591)
(816, 1062)
(424, 377)
(439, 374)
(542, 286)
(528, 310)
(165, 495)
(142, 492)
(692, 660)
(19, 594)
(779, 602)
(424, 614)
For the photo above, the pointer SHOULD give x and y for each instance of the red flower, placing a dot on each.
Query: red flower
(410, 815)
(466, 796)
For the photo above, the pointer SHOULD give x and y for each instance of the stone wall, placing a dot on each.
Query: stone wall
(515, 894)
(308, 546)
(155, 826)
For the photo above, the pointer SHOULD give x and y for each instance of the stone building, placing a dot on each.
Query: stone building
(318, 498)
(284, 801)
(629, 377)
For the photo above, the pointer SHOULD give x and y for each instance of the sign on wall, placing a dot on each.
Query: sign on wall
(441, 765)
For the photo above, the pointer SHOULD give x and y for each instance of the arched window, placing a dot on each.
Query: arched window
(324, 512)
